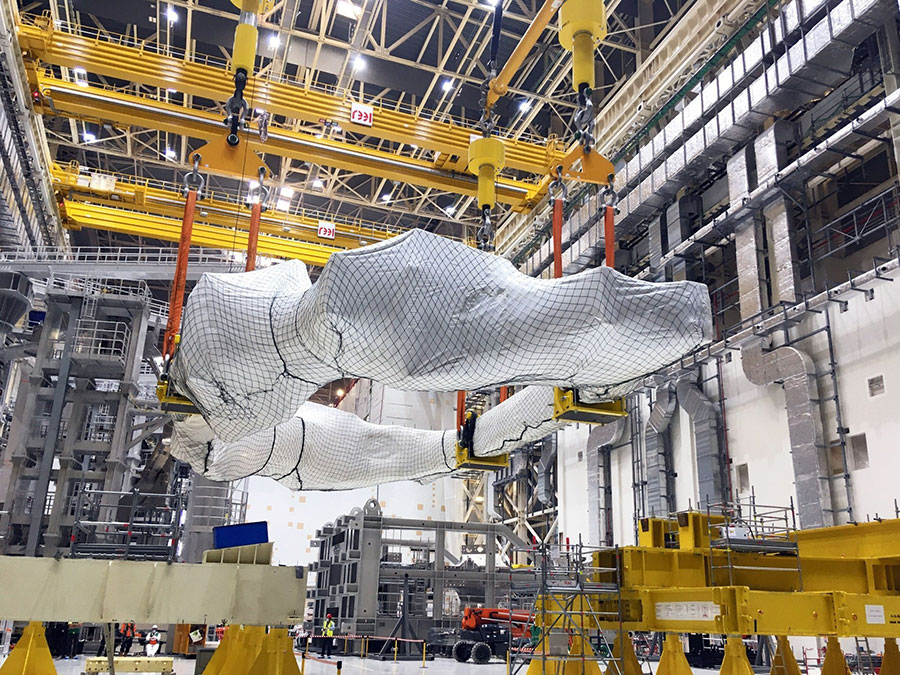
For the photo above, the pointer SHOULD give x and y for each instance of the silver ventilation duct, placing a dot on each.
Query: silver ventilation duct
(599, 444)
(787, 365)
(797, 374)
(546, 489)
(703, 414)
(658, 451)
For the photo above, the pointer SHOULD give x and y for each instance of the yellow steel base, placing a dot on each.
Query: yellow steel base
(220, 157)
(834, 663)
(225, 651)
(244, 652)
(890, 660)
(566, 406)
(784, 663)
(276, 656)
(580, 660)
(735, 661)
(131, 664)
(31, 655)
(626, 662)
(672, 661)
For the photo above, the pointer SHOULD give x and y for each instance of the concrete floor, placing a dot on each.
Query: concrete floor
(356, 666)
(351, 666)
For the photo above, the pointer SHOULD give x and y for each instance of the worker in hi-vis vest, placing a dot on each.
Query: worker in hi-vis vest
(327, 636)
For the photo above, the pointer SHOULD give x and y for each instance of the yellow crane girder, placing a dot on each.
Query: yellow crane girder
(68, 99)
(166, 201)
(114, 57)
(125, 221)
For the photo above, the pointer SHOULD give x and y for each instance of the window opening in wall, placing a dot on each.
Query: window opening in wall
(859, 447)
(835, 458)
(876, 386)
(743, 478)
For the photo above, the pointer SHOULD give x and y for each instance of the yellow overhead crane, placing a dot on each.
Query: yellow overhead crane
(68, 99)
(133, 206)
(114, 57)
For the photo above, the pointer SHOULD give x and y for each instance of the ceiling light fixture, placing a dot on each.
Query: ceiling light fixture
(349, 10)
(172, 15)
(525, 105)
(359, 63)
(318, 184)
(170, 153)
(287, 192)
(88, 137)
(447, 85)
(274, 41)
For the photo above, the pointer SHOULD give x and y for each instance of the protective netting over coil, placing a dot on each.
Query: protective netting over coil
(417, 312)
(322, 448)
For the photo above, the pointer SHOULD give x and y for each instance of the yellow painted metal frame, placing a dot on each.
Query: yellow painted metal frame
(131, 194)
(667, 585)
(67, 99)
(41, 41)
(464, 460)
(566, 406)
(131, 664)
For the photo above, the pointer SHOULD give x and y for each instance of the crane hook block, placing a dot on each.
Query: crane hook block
(486, 157)
(582, 23)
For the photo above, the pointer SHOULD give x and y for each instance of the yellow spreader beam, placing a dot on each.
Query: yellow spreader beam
(97, 105)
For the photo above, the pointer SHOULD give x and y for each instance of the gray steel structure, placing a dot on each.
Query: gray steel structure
(363, 567)
(78, 419)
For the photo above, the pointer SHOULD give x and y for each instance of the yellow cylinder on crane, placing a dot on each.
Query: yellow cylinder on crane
(246, 35)
(582, 23)
(486, 157)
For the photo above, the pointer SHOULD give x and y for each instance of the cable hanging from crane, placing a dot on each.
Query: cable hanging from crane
(487, 155)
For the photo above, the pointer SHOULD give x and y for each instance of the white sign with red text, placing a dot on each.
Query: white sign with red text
(362, 114)
(326, 229)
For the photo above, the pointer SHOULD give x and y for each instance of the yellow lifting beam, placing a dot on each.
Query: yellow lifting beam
(166, 200)
(114, 58)
(94, 104)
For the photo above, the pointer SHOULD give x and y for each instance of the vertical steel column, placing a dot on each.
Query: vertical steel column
(59, 401)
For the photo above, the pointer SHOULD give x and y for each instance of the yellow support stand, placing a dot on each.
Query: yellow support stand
(243, 654)
(567, 406)
(276, 656)
(31, 655)
(624, 655)
(672, 661)
(580, 647)
(735, 661)
(834, 663)
(224, 651)
(890, 658)
(784, 663)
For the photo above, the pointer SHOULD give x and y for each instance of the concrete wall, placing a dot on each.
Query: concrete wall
(867, 344)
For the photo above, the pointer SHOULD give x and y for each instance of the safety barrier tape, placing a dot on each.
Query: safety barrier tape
(370, 637)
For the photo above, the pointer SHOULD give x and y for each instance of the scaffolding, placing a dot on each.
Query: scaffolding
(130, 525)
(574, 601)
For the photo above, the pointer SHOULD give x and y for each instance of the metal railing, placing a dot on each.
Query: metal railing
(95, 286)
(269, 76)
(116, 255)
(103, 339)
